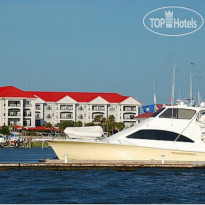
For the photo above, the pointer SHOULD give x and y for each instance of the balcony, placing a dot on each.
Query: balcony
(80, 108)
(66, 117)
(66, 107)
(14, 122)
(14, 114)
(129, 109)
(27, 104)
(80, 117)
(48, 116)
(27, 123)
(37, 116)
(38, 108)
(27, 114)
(14, 104)
(129, 117)
(112, 109)
(98, 108)
(97, 114)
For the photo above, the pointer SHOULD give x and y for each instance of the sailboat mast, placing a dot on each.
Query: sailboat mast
(173, 84)
(155, 99)
(190, 91)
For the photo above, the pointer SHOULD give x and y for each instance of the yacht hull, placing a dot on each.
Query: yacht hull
(76, 150)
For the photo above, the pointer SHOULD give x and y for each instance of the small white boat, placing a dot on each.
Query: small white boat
(174, 133)
(2, 140)
(16, 139)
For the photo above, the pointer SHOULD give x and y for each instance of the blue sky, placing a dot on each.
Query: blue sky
(97, 46)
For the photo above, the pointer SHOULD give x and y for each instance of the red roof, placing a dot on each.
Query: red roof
(11, 91)
(144, 115)
(79, 96)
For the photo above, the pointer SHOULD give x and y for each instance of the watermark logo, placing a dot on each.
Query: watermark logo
(173, 21)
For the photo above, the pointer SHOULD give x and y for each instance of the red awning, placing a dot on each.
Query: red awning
(36, 128)
(19, 127)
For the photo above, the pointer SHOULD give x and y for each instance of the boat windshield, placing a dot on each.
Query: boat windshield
(158, 112)
(178, 113)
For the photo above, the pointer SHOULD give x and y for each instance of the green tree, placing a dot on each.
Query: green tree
(103, 123)
(5, 130)
(97, 119)
(90, 124)
(66, 123)
(48, 125)
(111, 124)
(111, 118)
(78, 124)
(120, 125)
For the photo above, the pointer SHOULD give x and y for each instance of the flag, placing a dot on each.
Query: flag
(149, 108)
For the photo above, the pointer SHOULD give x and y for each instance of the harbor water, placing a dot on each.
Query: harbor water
(141, 186)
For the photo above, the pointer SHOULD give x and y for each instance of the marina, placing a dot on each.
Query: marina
(34, 176)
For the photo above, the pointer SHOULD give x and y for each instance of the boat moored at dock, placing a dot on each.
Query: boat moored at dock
(174, 133)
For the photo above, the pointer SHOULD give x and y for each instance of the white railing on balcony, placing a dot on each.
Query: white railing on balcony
(129, 109)
(27, 114)
(14, 114)
(128, 117)
(27, 105)
(66, 117)
(15, 123)
(80, 117)
(98, 109)
(14, 105)
(111, 109)
(64, 107)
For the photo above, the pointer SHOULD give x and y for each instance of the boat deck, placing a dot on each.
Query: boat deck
(115, 165)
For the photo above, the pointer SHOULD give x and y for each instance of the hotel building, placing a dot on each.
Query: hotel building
(35, 108)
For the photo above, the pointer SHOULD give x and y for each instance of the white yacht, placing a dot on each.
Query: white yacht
(174, 133)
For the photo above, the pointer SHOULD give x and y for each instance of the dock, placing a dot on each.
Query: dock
(114, 165)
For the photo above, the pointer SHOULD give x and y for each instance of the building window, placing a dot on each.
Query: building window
(48, 107)
(80, 107)
(112, 108)
(37, 115)
(14, 104)
(48, 116)
(38, 107)
(80, 117)
(27, 103)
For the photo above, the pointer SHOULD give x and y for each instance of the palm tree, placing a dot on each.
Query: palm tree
(66, 123)
(120, 126)
(111, 123)
(97, 119)
(103, 123)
